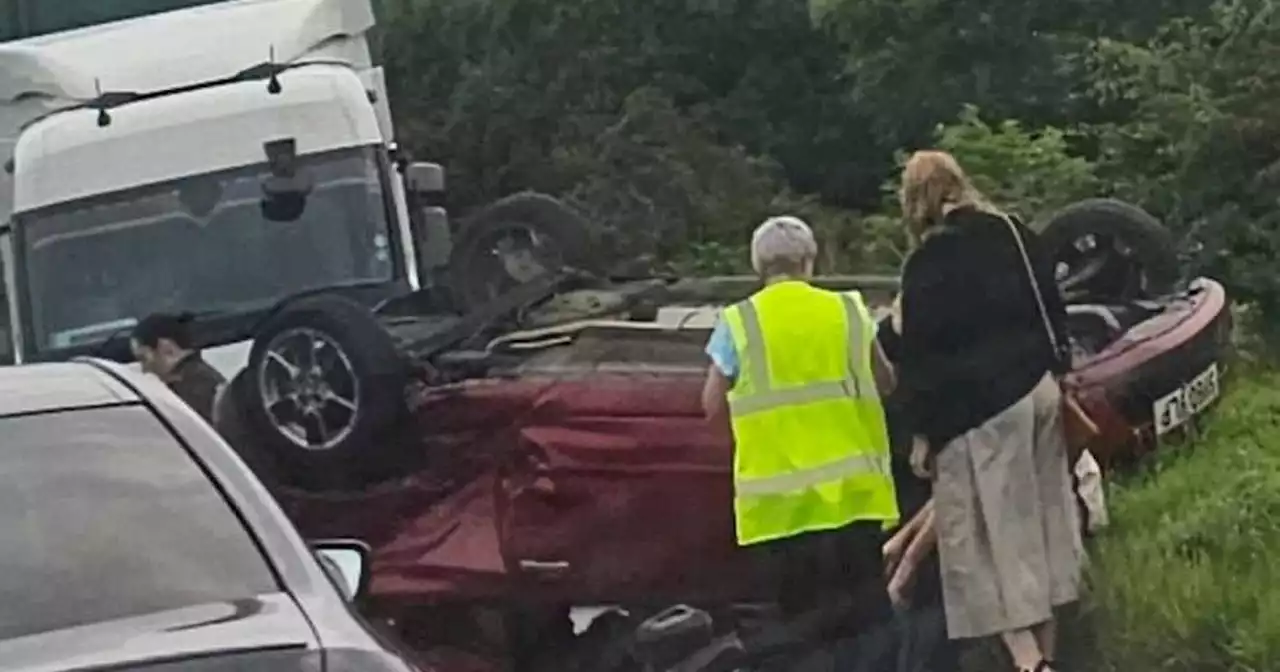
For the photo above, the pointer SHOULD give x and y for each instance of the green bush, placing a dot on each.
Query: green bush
(1183, 580)
(1029, 171)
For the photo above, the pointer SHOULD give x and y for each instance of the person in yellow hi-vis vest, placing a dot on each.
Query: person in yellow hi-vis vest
(799, 374)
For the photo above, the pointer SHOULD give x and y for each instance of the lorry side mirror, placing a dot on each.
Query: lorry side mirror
(424, 178)
(7, 345)
(424, 183)
(434, 241)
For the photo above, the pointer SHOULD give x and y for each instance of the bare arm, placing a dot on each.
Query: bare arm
(922, 544)
(715, 401)
(923, 541)
(895, 549)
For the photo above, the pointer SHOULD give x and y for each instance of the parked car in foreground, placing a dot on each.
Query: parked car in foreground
(547, 448)
(135, 539)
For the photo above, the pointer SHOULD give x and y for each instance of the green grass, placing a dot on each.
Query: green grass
(1184, 578)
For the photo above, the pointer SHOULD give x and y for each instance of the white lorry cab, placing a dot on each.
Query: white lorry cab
(214, 160)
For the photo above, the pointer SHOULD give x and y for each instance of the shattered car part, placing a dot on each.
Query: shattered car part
(551, 448)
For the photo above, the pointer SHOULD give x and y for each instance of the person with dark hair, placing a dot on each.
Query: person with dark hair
(163, 345)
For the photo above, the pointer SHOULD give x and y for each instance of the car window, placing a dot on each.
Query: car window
(103, 515)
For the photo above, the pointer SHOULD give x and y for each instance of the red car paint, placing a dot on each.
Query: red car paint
(610, 487)
(1102, 379)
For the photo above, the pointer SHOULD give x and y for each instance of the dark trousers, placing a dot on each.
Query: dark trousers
(832, 580)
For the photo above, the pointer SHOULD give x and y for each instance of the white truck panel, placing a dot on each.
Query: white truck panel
(68, 156)
(376, 82)
(172, 49)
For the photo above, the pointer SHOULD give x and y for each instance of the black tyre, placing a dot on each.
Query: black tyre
(324, 386)
(1108, 251)
(517, 239)
(231, 421)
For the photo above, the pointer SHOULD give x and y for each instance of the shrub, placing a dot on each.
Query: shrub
(1183, 580)
(1032, 172)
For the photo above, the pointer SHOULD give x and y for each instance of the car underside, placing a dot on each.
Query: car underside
(546, 448)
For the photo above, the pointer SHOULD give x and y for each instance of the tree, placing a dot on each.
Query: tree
(1200, 143)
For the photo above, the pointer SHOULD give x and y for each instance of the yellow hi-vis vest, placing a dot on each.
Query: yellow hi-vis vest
(811, 451)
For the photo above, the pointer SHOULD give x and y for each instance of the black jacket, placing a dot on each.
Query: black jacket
(973, 338)
(196, 383)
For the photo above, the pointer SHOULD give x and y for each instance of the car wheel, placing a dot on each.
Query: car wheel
(325, 383)
(231, 422)
(1109, 251)
(518, 239)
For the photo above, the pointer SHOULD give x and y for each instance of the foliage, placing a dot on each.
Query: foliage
(1181, 580)
(680, 123)
(1196, 139)
(1032, 172)
(493, 87)
(657, 178)
(918, 62)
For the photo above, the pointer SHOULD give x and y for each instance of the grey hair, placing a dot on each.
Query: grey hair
(782, 246)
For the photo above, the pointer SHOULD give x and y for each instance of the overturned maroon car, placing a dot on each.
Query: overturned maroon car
(546, 450)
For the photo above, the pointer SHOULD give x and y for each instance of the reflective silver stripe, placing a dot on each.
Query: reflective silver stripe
(853, 322)
(789, 396)
(758, 367)
(803, 479)
(766, 396)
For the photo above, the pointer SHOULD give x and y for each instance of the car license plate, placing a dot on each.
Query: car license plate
(1176, 408)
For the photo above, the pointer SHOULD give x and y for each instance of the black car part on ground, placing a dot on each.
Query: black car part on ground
(693, 641)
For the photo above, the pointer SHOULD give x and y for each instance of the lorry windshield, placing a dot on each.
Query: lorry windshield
(200, 244)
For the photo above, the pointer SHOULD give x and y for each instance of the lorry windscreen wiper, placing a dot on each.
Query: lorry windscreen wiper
(106, 100)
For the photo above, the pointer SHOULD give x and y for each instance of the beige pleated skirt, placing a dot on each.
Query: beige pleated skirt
(1007, 522)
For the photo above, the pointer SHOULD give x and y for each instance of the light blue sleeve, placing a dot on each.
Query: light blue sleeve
(722, 352)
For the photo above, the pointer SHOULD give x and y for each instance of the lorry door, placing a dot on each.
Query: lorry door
(7, 348)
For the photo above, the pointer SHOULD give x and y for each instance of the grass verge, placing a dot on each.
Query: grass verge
(1184, 579)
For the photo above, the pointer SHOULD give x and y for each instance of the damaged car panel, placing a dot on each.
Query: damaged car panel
(547, 448)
